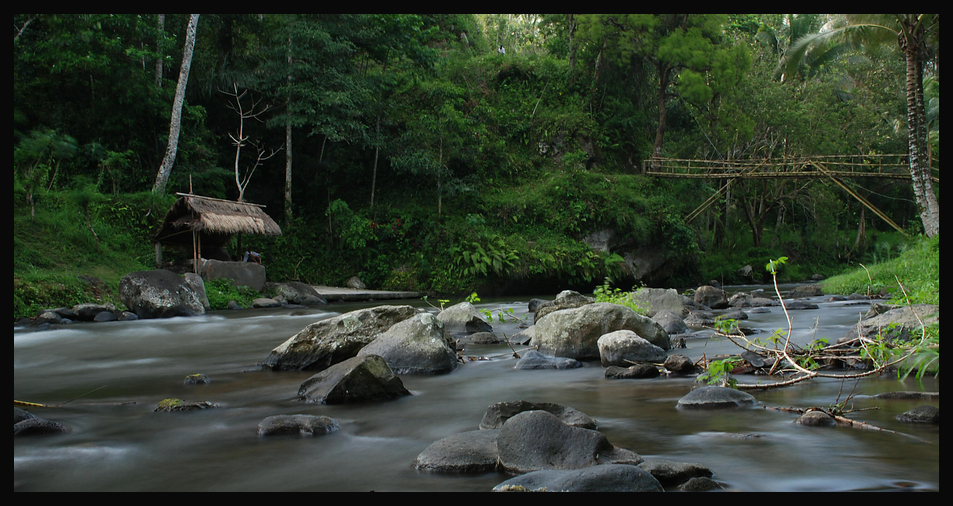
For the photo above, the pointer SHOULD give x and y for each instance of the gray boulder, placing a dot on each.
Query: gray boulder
(538, 440)
(359, 379)
(604, 478)
(575, 333)
(417, 345)
(624, 347)
(467, 452)
(160, 294)
(710, 296)
(327, 342)
(250, 274)
(456, 317)
(679, 364)
(635, 371)
(671, 322)
(567, 299)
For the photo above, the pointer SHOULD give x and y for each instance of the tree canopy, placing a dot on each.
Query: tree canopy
(405, 135)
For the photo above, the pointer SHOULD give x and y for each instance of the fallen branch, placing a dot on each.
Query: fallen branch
(783, 357)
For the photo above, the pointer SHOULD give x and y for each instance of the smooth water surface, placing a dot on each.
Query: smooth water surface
(110, 377)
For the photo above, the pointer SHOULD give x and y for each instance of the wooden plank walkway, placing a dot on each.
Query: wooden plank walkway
(341, 294)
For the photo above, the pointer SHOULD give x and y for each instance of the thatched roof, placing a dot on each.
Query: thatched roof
(216, 220)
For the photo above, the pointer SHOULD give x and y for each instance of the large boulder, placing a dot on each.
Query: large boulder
(417, 345)
(161, 294)
(575, 333)
(250, 274)
(625, 347)
(538, 440)
(327, 342)
(359, 379)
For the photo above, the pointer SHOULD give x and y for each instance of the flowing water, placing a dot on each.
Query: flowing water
(109, 377)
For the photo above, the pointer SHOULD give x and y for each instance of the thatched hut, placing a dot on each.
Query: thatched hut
(195, 222)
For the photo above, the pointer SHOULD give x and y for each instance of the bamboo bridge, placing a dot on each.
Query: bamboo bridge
(834, 167)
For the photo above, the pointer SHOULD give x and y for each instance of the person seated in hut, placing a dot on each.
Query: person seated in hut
(252, 256)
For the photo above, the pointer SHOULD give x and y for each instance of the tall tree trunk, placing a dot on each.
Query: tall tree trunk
(288, 212)
(927, 203)
(161, 26)
(162, 178)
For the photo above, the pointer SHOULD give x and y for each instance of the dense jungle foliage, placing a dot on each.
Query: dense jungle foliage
(452, 153)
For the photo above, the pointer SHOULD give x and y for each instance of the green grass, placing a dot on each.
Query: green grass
(59, 262)
(916, 268)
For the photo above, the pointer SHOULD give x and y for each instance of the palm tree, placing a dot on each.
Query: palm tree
(915, 35)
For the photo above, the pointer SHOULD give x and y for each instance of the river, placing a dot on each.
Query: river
(109, 377)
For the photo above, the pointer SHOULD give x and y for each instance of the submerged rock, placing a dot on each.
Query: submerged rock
(28, 424)
(921, 414)
(533, 359)
(715, 397)
(467, 452)
(603, 478)
(305, 425)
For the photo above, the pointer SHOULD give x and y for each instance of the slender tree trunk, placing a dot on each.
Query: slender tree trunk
(162, 178)
(161, 26)
(662, 113)
(288, 212)
(377, 152)
(439, 181)
(916, 127)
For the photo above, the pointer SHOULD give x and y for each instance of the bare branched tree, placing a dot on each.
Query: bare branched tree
(241, 140)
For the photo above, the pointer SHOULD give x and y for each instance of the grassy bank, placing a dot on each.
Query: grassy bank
(916, 268)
